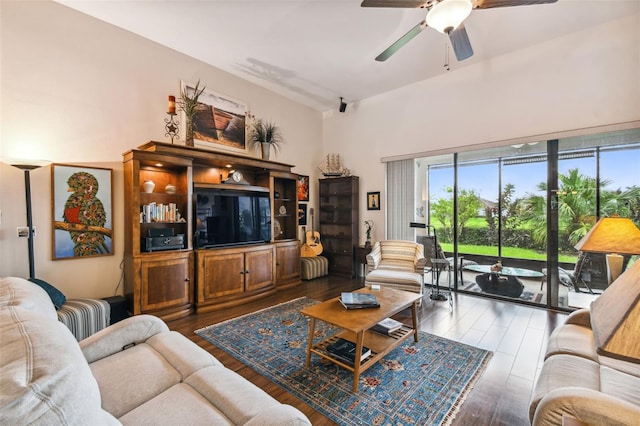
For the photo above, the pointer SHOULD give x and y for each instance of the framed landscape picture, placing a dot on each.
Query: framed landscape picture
(303, 188)
(219, 121)
(82, 202)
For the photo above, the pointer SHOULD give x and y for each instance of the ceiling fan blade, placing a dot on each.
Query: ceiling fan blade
(394, 3)
(460, 42)
(401, 41)
(489, 4)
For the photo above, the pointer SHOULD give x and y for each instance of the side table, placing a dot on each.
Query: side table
(360, 259)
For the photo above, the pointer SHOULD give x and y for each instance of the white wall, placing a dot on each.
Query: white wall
(587, 79)
(78, 91)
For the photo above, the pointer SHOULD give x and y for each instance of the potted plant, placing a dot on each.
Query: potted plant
(189, 104)
(266, 134)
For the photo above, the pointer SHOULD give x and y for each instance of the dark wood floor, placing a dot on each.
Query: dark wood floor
(516, 335)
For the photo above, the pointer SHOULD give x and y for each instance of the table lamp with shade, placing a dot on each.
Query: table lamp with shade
(615, 236)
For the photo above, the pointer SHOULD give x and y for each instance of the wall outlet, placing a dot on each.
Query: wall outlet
(23, 231)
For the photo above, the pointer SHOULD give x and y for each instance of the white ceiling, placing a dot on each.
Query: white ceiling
(315, 51)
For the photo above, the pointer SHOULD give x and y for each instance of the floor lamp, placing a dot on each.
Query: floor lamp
(27, 190)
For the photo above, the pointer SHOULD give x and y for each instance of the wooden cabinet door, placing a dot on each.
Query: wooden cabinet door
(220, 273)
(258, 268)
(287, 262)
(166, 281)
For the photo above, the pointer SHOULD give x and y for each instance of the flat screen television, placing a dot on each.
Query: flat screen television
(226, 217)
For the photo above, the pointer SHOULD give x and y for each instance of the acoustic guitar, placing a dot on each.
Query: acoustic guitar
(313, 237)
(305, 249)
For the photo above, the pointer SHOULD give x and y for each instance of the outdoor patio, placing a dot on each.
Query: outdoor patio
(531, 293)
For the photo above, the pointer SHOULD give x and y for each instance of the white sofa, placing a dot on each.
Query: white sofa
(587, 382)
(133, 372)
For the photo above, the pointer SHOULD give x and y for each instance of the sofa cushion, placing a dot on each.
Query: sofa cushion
(16, 291)
(572, 340)
(188, 407)
(132, 377)
(183, 355)
(397, 264)
(397, 250)
(620, 385)
(283, 415)
(44, 376)
(57, 298)
(560, 371)
(229, 398)
(627, 367)
(411, 280)
(239, 399)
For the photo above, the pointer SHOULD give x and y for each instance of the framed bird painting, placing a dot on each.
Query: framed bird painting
(82, 202)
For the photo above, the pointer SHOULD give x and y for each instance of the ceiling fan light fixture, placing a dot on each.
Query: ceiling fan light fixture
(447, 15)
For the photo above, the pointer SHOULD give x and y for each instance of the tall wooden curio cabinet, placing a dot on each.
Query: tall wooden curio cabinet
(339, 222)
(285, 213)
(158, 258)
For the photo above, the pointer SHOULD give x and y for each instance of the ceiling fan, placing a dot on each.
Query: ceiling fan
(446, 16)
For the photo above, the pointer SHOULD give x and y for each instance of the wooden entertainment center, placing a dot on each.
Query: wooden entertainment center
(176, 279)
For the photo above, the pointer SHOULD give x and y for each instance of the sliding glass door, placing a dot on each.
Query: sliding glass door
(525, 206)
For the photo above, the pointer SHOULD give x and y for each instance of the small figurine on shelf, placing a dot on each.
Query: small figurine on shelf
(368, 227)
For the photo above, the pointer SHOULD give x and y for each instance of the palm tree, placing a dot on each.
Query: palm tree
(623, 203)
(577, 207)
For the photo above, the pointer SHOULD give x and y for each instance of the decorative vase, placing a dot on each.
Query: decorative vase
(170, 189)
(266, 150)
(189, 128)
(148, 186)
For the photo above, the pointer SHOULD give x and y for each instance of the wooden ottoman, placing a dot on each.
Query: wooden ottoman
(313, 267)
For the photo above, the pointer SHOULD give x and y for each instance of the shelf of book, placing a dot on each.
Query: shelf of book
(379, 344)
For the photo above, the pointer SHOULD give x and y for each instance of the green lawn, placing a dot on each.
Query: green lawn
(509, 252)
(512, 252)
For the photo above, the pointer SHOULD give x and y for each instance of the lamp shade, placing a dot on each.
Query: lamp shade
(612, 235)
(615, 317)
(448, 14)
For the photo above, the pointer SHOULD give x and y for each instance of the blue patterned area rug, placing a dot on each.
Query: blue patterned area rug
(420, 383)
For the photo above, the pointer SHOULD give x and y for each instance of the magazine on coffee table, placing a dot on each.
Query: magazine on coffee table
(387, 326)
(359, 300)
(345, 351)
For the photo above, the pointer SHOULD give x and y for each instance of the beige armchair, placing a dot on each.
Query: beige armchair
(397, 264)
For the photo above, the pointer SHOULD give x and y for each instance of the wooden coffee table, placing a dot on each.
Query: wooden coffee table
(355, 325)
